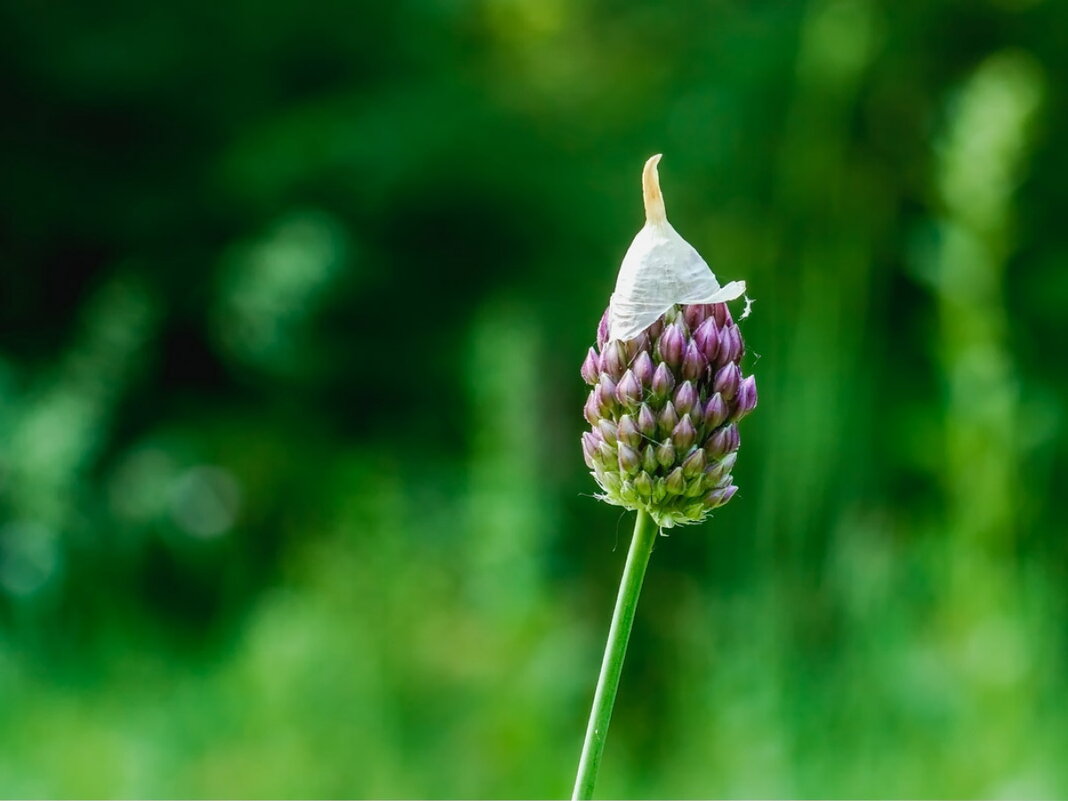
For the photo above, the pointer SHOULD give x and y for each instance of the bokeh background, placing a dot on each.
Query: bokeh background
(293, 298)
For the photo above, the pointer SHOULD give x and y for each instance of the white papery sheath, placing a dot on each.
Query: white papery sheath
(659, 270)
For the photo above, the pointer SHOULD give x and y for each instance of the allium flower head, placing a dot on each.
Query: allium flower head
(667, 387)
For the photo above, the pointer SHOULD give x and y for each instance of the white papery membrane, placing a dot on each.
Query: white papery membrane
(659, 270)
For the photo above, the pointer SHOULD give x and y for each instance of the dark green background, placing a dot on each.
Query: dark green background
(293, 298)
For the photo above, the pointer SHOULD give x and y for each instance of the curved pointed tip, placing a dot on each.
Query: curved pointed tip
(654, 200)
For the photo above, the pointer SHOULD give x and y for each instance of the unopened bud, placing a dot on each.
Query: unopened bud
(629, 460)
(606, 389)
(665, 453)
(694, 314)
(643, 368)
(668, 419)
(716, 412)
(592, 410)
(672, 345)
(675, 483)
(694, 464)
(643, 485)
(608, 431)
(646, 421)
(718, 497)
(746, 400)
(722, 442)
(649, 461)
(628, 431)
(629, 391)
(663, 382)
(613, 360)
(726, 381)
(685, 397)
(591, 367)
(707, 338)
(693, 362)
(730, 344)
(589, 448)
(684, 434)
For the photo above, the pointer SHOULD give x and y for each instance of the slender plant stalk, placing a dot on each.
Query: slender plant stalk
(630, 587)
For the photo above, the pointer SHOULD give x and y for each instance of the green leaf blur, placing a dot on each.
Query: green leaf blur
(293, 299)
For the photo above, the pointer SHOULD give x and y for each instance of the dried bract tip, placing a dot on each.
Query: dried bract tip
(655, 214)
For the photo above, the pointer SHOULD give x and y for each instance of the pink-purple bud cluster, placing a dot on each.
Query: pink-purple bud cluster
(664, 412)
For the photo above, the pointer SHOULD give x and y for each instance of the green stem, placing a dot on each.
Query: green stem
(630, 587)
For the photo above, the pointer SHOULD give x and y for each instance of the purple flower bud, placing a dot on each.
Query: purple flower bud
(718, 497)
(629, 460)
(606, 393)
(715, 412)
(707, 338)
(746, 399)
(629, 391)
(675, 483)
(613, 360)
(728, 461)
(684, 434)
(693, 362)
(589, 448)
(724, 344)
(646, 421)
(721, 314)
(730, 344)
(665, 453)
(591, 367)
(656, 329)
(602, 330)
(668, 419)
(694, 464)
(713, 473)
(663, 381)
(726, 381)
(685, 397)
(608, 431)
(643, 484)
(637, 345)
(672, 345)
(722, 442)
(628, 431)
(643, 368)
(694, 314)
(649, 462)
(592, 410)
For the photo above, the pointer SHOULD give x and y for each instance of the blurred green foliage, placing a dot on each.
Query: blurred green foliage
(292, 302)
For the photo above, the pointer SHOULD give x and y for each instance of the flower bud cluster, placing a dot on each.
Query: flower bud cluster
(663, 413)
